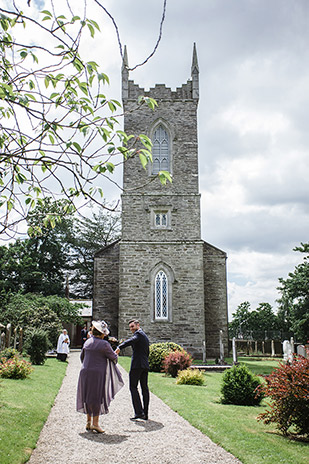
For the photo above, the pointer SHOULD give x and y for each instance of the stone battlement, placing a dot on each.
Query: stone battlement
(161, 92)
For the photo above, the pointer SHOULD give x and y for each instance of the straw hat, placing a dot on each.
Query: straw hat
(101, 326)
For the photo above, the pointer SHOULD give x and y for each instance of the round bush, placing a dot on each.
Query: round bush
(190, 377)
(157, 353)
(36, 346)
(15, 368)
(176, 361)
(240, 386)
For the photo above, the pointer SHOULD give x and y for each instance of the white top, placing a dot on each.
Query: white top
(63, 343)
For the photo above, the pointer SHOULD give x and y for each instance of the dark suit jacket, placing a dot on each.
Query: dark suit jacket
(140, 346)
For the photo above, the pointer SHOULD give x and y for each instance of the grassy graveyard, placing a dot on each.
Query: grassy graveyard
(24, 407)
(235, 428)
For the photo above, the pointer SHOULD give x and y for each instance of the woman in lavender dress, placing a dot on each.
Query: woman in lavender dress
(99, 378)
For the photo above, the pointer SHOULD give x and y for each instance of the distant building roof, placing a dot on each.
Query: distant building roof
(86, 311)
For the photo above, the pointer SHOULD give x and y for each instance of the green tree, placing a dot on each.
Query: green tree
(263, 319)
(33, 311)
(240, 324)
(294, 303)
(255, 323)
(37, 264)
(59, 132)
(89, 236)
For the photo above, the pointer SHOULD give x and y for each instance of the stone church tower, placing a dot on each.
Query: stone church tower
(161, 271)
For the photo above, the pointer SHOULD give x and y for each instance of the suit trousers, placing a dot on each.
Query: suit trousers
(139, 375)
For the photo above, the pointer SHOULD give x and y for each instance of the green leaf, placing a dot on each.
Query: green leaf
(91, 29)
(77, 146)
(164, 176)
(46, 12)
(143, 159)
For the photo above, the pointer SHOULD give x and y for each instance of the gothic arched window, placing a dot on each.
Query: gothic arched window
(160, 150)
(161, 295)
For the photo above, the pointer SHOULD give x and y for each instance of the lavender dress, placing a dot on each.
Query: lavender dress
(99, 378)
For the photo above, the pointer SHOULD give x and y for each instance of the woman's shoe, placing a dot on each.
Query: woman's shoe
(88, 426)
(96, 428)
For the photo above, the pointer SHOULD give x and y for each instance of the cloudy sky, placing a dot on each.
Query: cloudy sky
(253, 119)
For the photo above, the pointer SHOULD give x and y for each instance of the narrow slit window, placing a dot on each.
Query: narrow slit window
(161, 296)
(160, 150)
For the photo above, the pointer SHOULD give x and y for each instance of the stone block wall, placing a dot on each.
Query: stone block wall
(216, 316)
(185, 261)
(106, 286)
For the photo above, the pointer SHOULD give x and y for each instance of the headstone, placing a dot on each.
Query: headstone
(221, 348)
(204, 351)
(256, 346)
(292, 345)
(273, 352)
(15, 338)
(8, 336)
(234, 351)
(301, 351)
(20, 341)
(2, 344)
(287, 351)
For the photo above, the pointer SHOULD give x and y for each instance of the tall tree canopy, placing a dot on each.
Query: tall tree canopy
(60, 249)
(294, 301)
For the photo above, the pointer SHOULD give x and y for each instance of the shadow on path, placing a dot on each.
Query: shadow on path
(106, 438)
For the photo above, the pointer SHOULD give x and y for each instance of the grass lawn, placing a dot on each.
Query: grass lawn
(235, 428)
(24, 407)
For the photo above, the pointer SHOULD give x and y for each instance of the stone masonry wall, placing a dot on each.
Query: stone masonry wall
(180, 119)
(137, 259)
(106, 286)
(216, 317)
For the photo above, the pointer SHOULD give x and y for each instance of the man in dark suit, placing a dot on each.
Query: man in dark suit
(139, 368)
(83, 334)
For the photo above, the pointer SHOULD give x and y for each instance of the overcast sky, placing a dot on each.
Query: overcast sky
(253, 119)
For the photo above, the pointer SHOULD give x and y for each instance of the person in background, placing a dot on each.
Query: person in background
(99, 379)
(139, 368)
(83, 334)
(63, 346)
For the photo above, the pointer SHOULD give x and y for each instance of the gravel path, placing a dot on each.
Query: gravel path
(166, 438)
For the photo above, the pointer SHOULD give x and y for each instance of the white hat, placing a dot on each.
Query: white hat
(101, 326)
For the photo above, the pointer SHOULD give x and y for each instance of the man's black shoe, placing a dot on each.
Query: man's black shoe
(138, 416)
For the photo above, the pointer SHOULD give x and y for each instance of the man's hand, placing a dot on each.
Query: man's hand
(117, 350)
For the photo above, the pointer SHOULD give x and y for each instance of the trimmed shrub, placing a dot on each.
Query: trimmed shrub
(36, 346)
(190, 377)
(175, 362)
(8, 353)
(15, 368)
(240, 386)
(288, 388)
(157, 353)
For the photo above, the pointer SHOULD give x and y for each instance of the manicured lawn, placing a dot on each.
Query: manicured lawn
(235, 428)
(24, 407)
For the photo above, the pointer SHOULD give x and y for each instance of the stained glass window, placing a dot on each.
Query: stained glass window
(160, 150)
(161, 296)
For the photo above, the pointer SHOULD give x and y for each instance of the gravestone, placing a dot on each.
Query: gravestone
(301, 351)
(287, 351)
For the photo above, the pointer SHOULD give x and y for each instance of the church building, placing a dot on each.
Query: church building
(161, 271)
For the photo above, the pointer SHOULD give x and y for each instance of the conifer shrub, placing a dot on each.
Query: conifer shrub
(288, 388)
(176, 361)
(190, 377)
(157, 353)
(240, 386)
(15, 368)
(36, 346)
